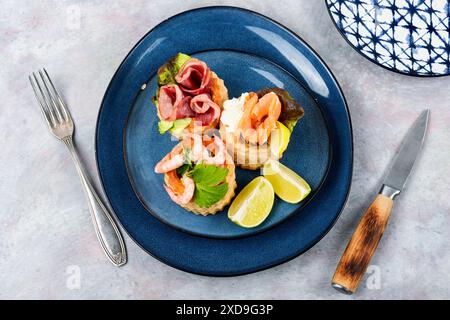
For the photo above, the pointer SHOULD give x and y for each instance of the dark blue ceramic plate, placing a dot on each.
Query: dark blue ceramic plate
(251, 40)
(308, 152)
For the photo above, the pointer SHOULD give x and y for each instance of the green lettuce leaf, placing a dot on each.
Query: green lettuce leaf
(210, 185)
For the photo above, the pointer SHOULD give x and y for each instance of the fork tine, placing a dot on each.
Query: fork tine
(40, 98)
(58, 97)
(45, 100)
(51, 100)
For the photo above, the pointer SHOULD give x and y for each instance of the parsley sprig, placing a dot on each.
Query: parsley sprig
(210, 185)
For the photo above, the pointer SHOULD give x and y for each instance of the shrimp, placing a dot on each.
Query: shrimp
(245, 125)
(217, 147)
(268, 106)
(173, 160)
(266, 113)
(181, 190)
(205, 150)
(260, 117)
(193, 142)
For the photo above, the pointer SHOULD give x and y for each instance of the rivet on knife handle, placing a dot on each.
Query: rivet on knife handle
(361, 247)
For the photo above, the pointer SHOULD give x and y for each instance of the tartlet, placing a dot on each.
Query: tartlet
(189, 96)
(247, 123)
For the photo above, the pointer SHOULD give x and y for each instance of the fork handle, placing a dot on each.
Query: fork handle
(105, 227)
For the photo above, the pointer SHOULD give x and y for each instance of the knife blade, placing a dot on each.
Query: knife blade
(365, 239)
(406, 156)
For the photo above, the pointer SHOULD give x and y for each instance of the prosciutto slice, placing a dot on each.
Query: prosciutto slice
(194, 77)
(184, 110)
(206, 110)
(173, 103)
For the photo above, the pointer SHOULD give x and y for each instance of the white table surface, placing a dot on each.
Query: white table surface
(46, 236)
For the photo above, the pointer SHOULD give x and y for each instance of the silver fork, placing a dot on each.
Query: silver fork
(61, 125)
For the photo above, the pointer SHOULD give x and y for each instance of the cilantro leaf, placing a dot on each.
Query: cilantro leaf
(206, 196)
(208, 174)
(210, 185)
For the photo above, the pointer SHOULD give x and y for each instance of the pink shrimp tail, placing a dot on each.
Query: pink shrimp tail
(188, 193)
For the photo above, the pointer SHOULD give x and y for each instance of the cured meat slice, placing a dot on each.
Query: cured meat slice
(194, 77)
(173, 103)
(206, 110)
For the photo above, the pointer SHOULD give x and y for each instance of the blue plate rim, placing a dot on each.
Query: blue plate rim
(351, 147)
(417, 75)
(252, 232)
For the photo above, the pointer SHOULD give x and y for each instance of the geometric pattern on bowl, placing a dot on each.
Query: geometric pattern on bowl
(407, 36)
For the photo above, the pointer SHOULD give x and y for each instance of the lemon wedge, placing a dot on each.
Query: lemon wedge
(253, 204)
(287, 184)
(279, 140)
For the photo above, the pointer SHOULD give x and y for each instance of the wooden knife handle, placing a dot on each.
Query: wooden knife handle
(362, 246)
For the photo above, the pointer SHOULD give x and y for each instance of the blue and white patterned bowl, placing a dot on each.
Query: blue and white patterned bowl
(407, 36)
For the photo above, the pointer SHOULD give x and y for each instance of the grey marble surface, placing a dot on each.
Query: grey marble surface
(46, 236)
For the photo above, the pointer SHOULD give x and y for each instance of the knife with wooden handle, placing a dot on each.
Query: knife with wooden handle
(362, 246)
